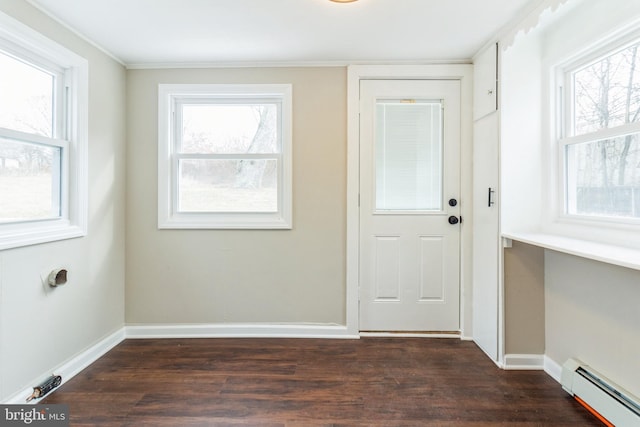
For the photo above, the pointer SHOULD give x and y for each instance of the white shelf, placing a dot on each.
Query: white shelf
(611, 254)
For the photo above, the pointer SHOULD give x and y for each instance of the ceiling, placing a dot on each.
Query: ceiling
(153, 32)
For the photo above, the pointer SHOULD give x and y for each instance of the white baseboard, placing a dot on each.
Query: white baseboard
(522, 362)
(553, 369)
(239, 330)
(73, 366)
(408, 335)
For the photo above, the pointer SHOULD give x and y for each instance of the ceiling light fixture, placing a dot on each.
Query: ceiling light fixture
(343, 1)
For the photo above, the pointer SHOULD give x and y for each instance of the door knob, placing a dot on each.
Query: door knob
(453, 220)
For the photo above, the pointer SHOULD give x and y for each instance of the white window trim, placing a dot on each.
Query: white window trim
(168, 216)
(73, 221)
(563, 117)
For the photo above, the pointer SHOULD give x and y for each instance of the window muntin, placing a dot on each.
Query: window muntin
(225, 156)
(600, 148)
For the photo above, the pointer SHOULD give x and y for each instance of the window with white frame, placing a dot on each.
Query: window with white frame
(224, 157)
(43, 138)
(600, 133)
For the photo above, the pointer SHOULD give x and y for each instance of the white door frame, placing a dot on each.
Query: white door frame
(355, 73)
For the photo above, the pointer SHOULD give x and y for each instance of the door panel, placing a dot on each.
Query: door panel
(409, 170)
(431, 274)
(485, 88)
(387, 264)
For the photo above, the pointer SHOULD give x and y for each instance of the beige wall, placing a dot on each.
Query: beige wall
(40, 328)
(524, 299)
(239, 276)
(593, 313)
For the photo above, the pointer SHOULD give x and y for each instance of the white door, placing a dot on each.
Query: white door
(409, 193)
(486, 221)
(486, 234)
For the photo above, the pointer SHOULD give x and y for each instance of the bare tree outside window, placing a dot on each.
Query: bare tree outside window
(244, 178)
(604, 174)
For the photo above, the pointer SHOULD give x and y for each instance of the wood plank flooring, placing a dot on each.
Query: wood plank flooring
(300, 382)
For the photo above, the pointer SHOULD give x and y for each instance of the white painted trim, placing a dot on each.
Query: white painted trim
(553, 369)
(73, 366)
(528, 20)
(407, 335)
(523, 362)
(74, 70)
(168, 117)
(277, 64)
(355, 73)
(238, 330)
(622, 256)
(74, 31)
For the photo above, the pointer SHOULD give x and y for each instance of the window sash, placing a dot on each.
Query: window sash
(175, 176)
(566, 72)
(61, 85)
(60, 123)
(180, 102)
(601, 134)
(568, 182)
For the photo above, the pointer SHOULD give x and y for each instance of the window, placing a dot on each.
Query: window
(409, 149)
(601, 134)
(224, 158)
(43, 136)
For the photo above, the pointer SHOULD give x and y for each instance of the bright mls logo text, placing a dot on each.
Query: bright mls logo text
(39, 415)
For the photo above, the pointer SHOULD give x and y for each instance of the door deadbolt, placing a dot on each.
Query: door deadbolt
(453, 202)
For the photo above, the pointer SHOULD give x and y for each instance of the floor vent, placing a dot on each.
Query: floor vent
(610, 403)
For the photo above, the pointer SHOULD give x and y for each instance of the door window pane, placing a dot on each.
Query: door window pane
(408, 159)
(247, 185)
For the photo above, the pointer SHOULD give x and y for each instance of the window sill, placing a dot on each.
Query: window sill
(40, 232)
(610, 254)
(237, 221)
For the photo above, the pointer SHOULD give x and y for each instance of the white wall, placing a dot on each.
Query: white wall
(591, 309)
(520, 135)
(42, 328)
(564, 38)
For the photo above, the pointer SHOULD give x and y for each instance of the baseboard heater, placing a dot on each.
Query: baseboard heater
(613, 405)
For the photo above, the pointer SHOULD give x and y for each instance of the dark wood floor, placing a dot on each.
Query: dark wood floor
(297, 382)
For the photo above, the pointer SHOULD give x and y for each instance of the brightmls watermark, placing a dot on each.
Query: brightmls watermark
(34, 415)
